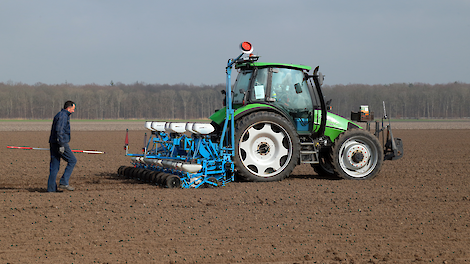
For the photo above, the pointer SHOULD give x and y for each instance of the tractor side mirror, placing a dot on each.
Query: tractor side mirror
(298, 88)
(320, 78)
(225, 97)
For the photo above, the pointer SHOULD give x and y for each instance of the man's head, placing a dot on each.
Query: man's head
(69, 106)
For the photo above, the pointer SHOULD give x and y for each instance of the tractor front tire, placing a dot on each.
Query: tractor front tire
(325, 165)
(267, 147)
(357, 155)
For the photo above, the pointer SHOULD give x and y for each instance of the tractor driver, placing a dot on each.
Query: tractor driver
(282, 87)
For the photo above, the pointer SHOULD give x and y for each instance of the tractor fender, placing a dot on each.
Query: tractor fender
(251, 108)
(218, 118)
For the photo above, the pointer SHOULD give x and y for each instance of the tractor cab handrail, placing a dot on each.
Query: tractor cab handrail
(318, 80)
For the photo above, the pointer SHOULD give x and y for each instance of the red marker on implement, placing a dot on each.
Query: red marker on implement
(73, 150)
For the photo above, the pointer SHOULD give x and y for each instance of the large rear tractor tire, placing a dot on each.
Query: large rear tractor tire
(267, 147)
(357, 155)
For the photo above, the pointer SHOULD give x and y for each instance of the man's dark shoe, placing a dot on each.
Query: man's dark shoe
(66, 187)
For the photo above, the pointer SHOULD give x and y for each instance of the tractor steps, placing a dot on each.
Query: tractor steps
(308, 153)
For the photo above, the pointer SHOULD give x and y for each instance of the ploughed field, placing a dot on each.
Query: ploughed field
(416, 210)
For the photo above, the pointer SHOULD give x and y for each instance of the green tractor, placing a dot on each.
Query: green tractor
(281, 120)
(274, 119)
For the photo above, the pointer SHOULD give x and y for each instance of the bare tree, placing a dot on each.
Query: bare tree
(185, 97)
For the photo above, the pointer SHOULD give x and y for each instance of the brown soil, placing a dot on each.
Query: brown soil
(416, 210)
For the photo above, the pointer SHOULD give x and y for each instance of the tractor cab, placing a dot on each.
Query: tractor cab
(283, 86)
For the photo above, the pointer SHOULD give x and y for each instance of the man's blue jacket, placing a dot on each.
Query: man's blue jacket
(60, 130)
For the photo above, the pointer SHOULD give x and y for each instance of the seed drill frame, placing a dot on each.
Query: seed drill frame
(184, 154)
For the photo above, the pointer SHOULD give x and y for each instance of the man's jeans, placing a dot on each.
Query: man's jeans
(55, 165)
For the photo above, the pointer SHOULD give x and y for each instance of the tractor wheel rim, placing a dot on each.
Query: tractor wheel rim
(265, 149)
(358, 157)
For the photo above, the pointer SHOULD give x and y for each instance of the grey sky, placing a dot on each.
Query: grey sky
(96, 41)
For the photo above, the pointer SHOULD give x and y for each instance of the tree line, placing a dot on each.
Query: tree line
(403, 100)
(116, 101)
(181, 101)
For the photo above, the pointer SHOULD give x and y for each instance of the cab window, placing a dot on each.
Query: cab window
(284, 92)
(260, 85)
(242, 83)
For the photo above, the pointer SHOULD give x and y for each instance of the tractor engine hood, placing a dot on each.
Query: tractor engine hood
(335, 121)
(339, 122)
(335, 124)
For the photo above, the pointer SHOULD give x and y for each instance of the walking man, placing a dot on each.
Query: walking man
(59, 147)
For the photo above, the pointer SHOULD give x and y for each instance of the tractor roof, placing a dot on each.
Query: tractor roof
(249, 64)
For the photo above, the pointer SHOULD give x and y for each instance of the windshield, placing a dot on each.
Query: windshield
(242, 83)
